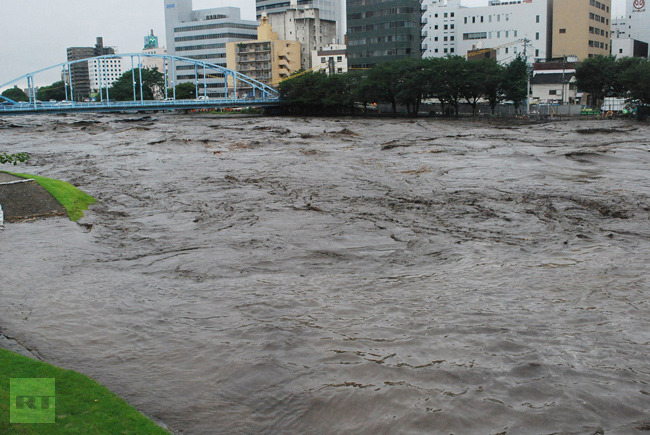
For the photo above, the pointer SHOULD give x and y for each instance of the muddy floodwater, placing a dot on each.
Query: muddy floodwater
(310, 276)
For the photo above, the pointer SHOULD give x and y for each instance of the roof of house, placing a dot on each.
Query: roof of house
(551, 78)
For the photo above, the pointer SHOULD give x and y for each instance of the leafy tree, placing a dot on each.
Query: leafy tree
(409, 88)
(515, 81)
(637, 81)
(432, 75)
(382, 84)
(475, 75)
(597, 76)
(185, 91)
(56, 91)
(492, 77)
(122, 89)
(15, 94)
(454, 72)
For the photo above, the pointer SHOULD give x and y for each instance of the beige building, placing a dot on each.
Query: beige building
(581, 28)
(304, 25)
(268, 59)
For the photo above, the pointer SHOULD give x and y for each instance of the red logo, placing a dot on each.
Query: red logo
(638, 4)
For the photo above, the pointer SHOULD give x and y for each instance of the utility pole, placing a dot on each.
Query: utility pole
(563, 69)
(528, 73)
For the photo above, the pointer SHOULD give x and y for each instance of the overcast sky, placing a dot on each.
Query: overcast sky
(36, 33)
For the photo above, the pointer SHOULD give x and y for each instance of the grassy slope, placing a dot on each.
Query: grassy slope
(74, 200)
(82, 405)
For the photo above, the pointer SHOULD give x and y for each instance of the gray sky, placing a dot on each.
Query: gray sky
(36, 33)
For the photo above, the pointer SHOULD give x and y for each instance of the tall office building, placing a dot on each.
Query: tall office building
(80, 73)
(104, 72)
(332, 10)
(382, 31)
(581, 28)
(202, 35)
(637, 17)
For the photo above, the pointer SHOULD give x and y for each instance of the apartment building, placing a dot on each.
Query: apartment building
(267, 59)
(332, 59)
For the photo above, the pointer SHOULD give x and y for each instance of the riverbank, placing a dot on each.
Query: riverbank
(80, 404)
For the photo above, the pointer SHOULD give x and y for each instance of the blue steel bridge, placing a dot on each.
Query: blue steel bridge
(238, 89)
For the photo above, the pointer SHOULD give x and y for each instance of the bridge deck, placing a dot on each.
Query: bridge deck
(110, 106)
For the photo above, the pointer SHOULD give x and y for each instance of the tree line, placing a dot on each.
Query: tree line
(606, 76)
(153, 86)
(450, 80)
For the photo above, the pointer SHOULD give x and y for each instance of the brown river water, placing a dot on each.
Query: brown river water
(371, 276)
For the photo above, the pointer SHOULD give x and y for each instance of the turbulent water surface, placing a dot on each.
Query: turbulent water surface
(246, 275)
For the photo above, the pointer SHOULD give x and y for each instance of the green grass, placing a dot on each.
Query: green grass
(74, 200)
(82, 405)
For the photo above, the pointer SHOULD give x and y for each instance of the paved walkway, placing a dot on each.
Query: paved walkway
(26, 199)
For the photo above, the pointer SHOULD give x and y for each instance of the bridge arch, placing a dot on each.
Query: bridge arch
(203, 72)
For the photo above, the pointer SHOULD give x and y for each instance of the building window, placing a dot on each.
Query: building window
(536, 53)
(537, 18)
(465, 20)
(552, 92)
(562, 30)
(536, 36)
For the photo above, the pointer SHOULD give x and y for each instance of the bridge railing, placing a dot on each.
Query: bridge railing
(203, 75)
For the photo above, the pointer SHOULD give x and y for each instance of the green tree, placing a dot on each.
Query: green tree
(185, 91)
(122, 89)
(410, 88)
(382, 84)
(515, 81)
(15, 94)
(56, 91)
(433, 71)
(454, 77)
(637, 81)
(492, 82)
(597, 76)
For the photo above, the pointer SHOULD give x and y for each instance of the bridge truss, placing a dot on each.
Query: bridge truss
(234, 89)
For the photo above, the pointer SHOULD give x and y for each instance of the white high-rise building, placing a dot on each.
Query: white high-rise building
(104, 72)
(451, 29)
(637, 18)
(202, 35)
(332, 10)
